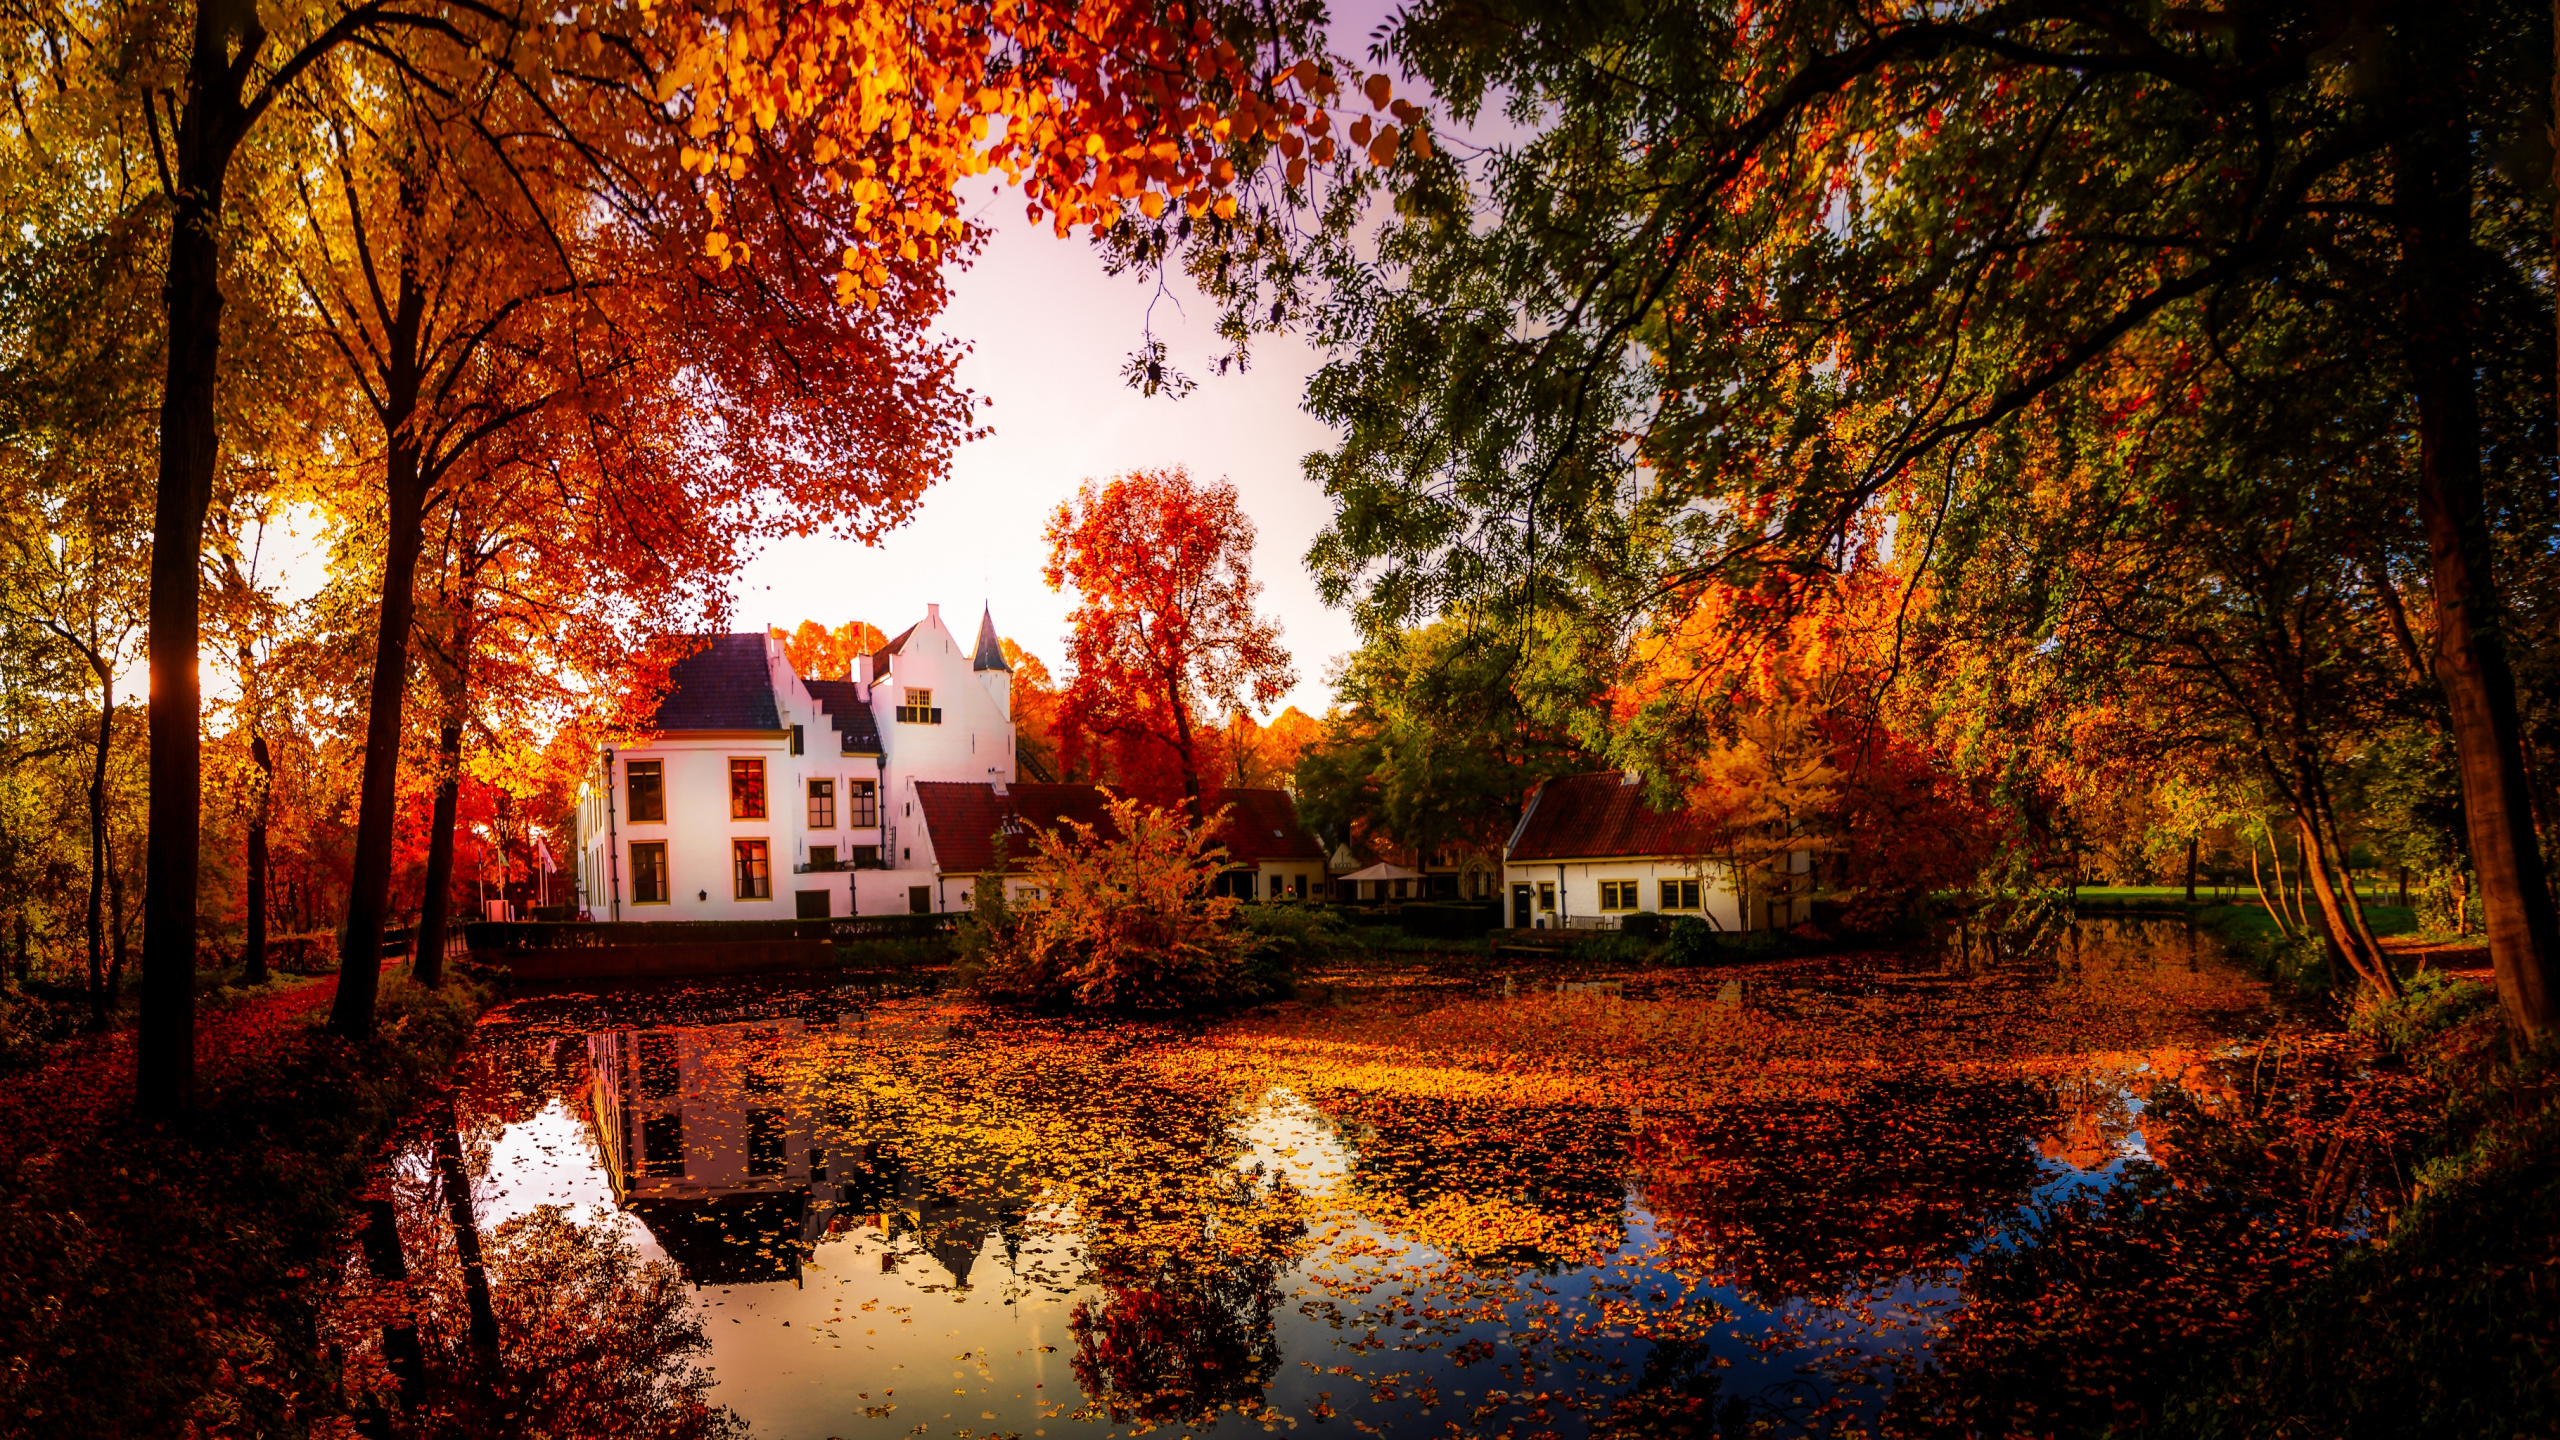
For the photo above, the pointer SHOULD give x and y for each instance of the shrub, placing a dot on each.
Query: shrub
(1124, 921)
(1692, 941)
(1643, 925)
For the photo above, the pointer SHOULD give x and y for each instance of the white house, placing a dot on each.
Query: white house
(761, 794)
(1589, 851)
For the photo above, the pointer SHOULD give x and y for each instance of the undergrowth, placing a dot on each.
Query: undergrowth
(159, 1279)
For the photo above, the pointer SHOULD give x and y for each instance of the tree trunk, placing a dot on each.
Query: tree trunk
(2431, 181)
(2343, 939)
(2191, 870)
(211, 120)
(1187, 748)
(119, 921)
(377, 806)
(466, 1243)
(253, 943)
(99, 1000)
(426, 961)
(2257, 878)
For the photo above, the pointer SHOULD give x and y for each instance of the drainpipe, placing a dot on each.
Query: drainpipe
(612, 842)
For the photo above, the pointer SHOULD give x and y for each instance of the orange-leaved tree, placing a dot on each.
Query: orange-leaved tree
(1122, 916)
(818, 653)
(1165, 630)
(1102, 113)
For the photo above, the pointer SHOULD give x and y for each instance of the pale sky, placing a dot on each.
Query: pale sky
(1050, 331)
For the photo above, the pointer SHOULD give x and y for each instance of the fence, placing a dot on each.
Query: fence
(665, 949)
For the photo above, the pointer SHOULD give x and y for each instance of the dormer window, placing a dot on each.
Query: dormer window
(919, 708)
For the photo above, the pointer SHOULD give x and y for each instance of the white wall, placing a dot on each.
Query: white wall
(1577, 887)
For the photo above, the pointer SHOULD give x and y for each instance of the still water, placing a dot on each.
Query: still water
(1734, 1201)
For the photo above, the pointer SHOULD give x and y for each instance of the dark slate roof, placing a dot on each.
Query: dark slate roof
(990, 654)
(1600, 815)
(963, 820)
(724, 686)
(842, 702)
(880, 657)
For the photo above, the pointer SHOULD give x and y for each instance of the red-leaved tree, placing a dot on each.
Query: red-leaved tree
(1166, 631)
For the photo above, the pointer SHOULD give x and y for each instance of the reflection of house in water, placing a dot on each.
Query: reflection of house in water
(721, 1139)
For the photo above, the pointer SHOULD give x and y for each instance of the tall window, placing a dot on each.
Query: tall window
(1679, 894)
(646, 783)
(1617, 894)
(1547, 896)
(648, 872)
(862, 803)
(746, 789)
(822, 804)
(754, 864)
(919, 709)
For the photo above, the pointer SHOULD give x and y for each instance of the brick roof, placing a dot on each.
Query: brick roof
(1263, 826)
(963, 819)
(723, 686)
(842, 702)
(1599, 815)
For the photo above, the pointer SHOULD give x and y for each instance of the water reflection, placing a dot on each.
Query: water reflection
(893, 1215)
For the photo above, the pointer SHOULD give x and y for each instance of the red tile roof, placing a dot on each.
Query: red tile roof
(1574, 817)
(963, 820)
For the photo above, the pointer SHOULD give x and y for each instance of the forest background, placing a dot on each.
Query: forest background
(1994, 458)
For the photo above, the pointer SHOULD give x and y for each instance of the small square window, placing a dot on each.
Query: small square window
(1617, 894)
(1679, 894)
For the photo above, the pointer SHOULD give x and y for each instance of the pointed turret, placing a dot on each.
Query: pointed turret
(990, 650)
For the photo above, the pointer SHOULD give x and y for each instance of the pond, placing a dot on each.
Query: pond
(1732, 1201)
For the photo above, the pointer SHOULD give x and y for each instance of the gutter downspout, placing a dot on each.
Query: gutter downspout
(612, 840)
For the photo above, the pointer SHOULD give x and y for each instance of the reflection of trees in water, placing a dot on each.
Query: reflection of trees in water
(593, 1341)
(1173, 1339)
(1678, 1394)
(1816, 1201)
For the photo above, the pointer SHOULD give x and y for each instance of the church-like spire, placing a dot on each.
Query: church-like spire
(990, 650)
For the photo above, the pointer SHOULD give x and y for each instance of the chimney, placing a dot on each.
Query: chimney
(933, 613)
(862, 670)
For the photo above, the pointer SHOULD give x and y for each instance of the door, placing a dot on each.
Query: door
(1520, 907)
(811, 904)
(920, 899)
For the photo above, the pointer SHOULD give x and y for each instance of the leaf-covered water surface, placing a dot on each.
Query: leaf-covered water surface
(1419, 1206)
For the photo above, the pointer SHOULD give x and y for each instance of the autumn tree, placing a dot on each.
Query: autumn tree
(819, 653)
(1165, 629)
(1765, 279)
(1100, 113)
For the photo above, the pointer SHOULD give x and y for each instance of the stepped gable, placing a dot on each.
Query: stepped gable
(1603, 814)
(1262, 825)
(842, 701)
(726, 685)
(990, 654)
(963, 819)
